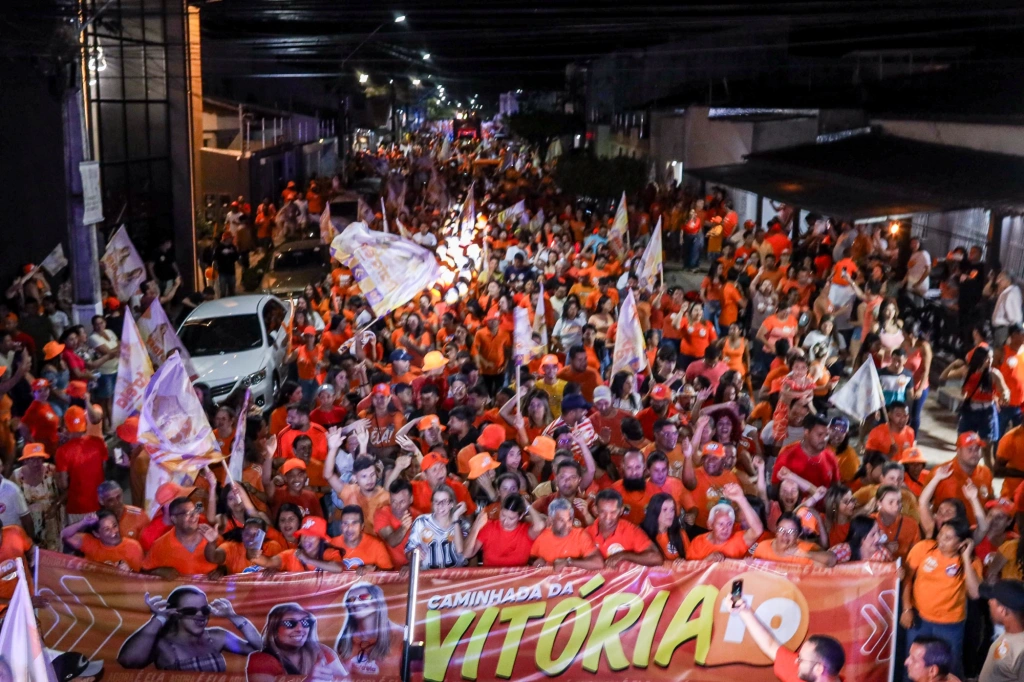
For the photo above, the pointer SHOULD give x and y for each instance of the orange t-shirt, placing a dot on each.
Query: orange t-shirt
(694, 339)
(291, 564)
(845, 266)
(734, 356)
(777, 329)
(940, 589)
(882, 439)
(625, 538)
(675, 488)
(15, 543)
(132, 522)
(953, 487)
(702, 546)
(369, 552)
(578, 544)
(286, 438)
(168, 552)
(709, 492)
(635, 503)
(353, 494)
(423, 341)
(904, 531)
(670, 551)
(1011, 451)
(765, 551)
(306, 361)
(588, 380)
(491, 348)
(236, 560)
(731, 299)
(128, 551)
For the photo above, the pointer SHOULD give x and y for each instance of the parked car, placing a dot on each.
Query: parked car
(239, 341)
(293, 265)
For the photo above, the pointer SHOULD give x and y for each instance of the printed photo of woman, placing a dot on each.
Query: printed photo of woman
(369, 644)
(291, 647)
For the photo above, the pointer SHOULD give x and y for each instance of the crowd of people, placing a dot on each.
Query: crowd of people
(417, 430)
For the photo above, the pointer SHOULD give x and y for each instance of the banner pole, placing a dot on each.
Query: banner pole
(519, 390)
(411, 649)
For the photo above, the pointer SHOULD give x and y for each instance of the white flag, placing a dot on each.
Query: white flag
(56, 261)
(510, 213)
(161, 339)
(326, 229)
(540, 324)
(523, 347)
(862, 394)
(235, 464)
(134, 371)
(21, 647)
(649, 267)
(618, 235)
(467, 220)
(630, 350)
(122, 264)
(403, 231)
(537, 221)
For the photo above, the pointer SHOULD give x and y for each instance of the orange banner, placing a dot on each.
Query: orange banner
(476, 624)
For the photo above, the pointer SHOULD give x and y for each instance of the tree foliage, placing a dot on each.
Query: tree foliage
(540, 127)
(581, 173)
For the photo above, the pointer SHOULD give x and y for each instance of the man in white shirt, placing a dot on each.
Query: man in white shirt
(13, 509)
(233, 218)
(918, 268)
(1007, 309)
(424, 237)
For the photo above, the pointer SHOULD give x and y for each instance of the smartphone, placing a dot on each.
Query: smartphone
(737, 590)
(257, 542)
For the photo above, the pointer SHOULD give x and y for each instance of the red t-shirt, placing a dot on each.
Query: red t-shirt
(787, 665)
(505, 548)
(327, 418)
(83, 459)
(307, 501)
(822, 470)
(42, 423)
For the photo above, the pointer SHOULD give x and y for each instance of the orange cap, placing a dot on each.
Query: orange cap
(912, 456)
(77, 389)
(661, 392)
(431, 459)
(549, 359)
(712, 449)
(481, 464)
(309, 331)
(314, 526)
(129, 431)
(75, 420)
(39, 384)
(52, 349)
(292, 464)
(32, 450)
(428, 422)
(382, 389)
(543, 447)
(808, 521)
(491, 437)
(968, 439)
(168, 492)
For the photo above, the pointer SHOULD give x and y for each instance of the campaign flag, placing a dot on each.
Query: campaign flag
(618, 235)
(389, 270)
(364, 212)
(237, 458)
(506, 162)
(174, 430)
(540, 323)
(403, 231)
(134, 371)
(862, 394)
(467, 219)
(554, 150)
(649, 267)
(56, 261)
(21, 646)
(523, 347)
(326, 229)
(161, 339)
(630, 350)
(536, 223)
(443, 151)
(384, 214)
(510, 213)
(124, 268)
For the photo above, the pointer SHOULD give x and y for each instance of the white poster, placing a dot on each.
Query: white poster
(92, 198)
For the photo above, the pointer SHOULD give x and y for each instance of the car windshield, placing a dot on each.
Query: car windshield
(218, 335)
(345, 209)
(296, 259)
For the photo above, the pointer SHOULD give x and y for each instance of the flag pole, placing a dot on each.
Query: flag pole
(519, 390)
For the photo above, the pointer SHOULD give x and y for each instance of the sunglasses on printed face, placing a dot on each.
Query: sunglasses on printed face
(291, 623)
(359, 598)
(192, 611)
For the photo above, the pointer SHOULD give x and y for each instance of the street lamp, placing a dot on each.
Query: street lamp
(416, 82)
(400, 18)
(363, 77)
(426, 56)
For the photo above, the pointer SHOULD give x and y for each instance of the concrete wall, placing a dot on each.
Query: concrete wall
(1004, 139)
(779, 134)
(714, 143)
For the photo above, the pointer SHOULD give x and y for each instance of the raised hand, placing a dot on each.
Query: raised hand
(222, 608)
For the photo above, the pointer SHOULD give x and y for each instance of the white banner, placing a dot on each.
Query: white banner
(92, 196)
(56, 261)
(161, 339)
(862, 394)
(630, 350)
(649, 267)
(134, 371)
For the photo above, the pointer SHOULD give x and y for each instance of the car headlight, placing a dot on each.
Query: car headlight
(254, 378)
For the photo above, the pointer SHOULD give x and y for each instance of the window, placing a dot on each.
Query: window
(273, 316)
(222, 335)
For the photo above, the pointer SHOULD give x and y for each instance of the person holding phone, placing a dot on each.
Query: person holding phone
(941, 574)
(819, 659)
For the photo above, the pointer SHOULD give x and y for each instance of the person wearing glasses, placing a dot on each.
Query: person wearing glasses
(291, 647)
(176, 637)
(439, 534)
(368, 637)
(182, 550)
(819, 659)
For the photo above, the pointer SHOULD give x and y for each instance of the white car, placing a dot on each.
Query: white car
(239, 341)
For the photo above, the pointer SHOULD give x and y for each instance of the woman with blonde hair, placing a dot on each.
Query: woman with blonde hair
(368, 636)
(291, 647)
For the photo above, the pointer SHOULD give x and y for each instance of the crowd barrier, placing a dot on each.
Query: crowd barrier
(524, 624)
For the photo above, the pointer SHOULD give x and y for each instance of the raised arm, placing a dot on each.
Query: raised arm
(334, 441)
(924, 503)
